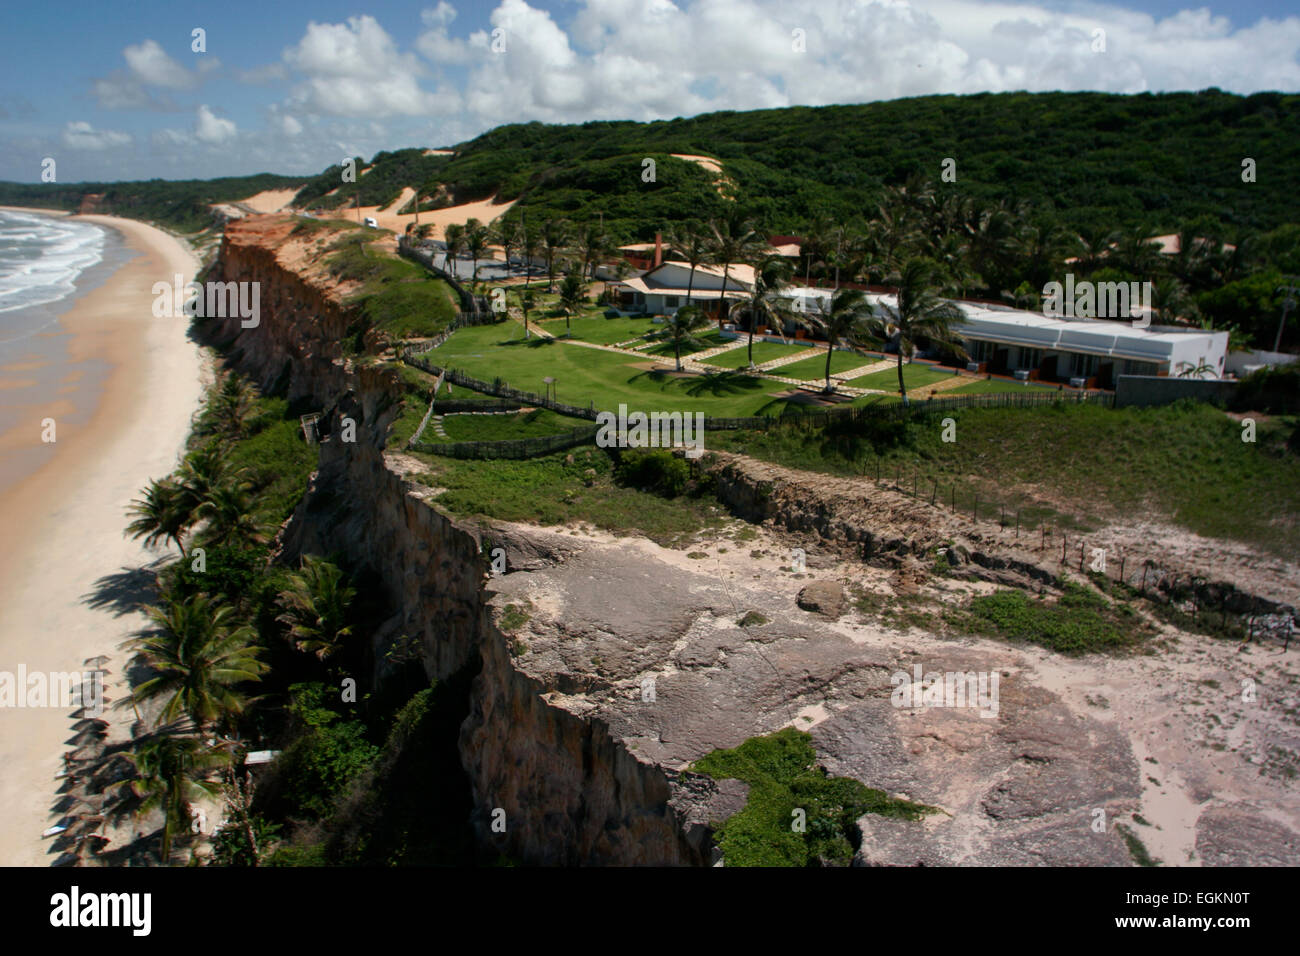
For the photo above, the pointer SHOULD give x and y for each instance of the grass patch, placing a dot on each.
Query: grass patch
(397, 297)
(1079, 622)
(784, 777)
(1136, 848)
(601, 330)
(564, 489)
(1185, 463)
(603, 379)
(764, 351)
(530, 424)
(915, 375)
(814, 368)
(996, 386)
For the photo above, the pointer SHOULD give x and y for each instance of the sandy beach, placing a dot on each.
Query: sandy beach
(59, 601)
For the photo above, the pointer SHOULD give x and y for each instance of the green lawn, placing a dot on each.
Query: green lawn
(763, 352)
(915, 375)
(601, 330)
(992, 386)
(811, 369)
(539, 421)
(709, 340)
(604, 379)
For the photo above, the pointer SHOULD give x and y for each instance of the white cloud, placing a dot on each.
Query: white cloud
(148, 65)
(354, 69)
(81, 135)
(210, 128)
(643, 59)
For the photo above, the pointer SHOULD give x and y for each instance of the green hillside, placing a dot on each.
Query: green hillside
(1097, 160)
(179, 204)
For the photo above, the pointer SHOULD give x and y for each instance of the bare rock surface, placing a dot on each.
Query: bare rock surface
(648, 642)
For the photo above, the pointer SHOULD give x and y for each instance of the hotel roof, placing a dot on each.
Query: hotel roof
(1034, 330)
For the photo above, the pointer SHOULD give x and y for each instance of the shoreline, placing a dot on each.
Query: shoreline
(69, 583)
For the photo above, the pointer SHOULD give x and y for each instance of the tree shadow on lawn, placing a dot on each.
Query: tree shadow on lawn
(537, 341)
(719, 386)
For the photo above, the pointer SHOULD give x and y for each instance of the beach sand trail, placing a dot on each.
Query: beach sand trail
(64, 523)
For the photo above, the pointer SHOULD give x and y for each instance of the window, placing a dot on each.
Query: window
(979, 351)
(1083, 366)
(1030, 358)
(671, 301)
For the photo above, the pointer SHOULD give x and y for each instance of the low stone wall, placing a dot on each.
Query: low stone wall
(1145, 390)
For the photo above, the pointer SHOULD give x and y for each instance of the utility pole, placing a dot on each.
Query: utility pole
(1291, 287)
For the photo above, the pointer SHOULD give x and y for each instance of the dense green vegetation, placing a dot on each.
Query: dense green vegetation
(797, 814)
(182, 205)
(378, 183)
(1103, 160)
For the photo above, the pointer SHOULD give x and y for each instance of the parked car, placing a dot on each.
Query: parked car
(370, 221)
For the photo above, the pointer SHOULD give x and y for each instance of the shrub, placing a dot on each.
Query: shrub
(653, 469)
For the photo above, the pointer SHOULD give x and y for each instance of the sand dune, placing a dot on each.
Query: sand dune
(271, 200)
(484, 210)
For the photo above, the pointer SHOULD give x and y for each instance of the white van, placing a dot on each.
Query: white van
(370, 221)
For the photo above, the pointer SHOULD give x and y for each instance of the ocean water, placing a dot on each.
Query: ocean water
(46, 264)
(40, 260)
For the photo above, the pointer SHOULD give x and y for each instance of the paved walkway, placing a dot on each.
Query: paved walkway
(787, 359)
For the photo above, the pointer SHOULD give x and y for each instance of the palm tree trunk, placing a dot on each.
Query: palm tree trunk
(677, 349)
(830, 347)
(902, 389)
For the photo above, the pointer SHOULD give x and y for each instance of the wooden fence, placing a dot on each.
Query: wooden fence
(424, 422)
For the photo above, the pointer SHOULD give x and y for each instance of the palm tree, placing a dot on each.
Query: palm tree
(528, 244)
(733, 240)
(1136, 254)
(172, 770)
(229, 511)
(590, 246)
(526, 303)
(164, 513)
(199, 656)
(232, 404)
(1093, 249)
(681, 326)
(506, 235)
(888, 236)
(761, 307)
(573, 295)
(847, 321)
(920, 314)
(453, 237)
(1170, 301)
(476, 244)
(203, 471)
(555, 236)
(315, 605)
(693, 245)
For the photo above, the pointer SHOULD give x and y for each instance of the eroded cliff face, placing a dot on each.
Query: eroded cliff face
(571, 793)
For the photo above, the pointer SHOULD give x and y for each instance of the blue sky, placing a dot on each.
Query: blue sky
(114, 90)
